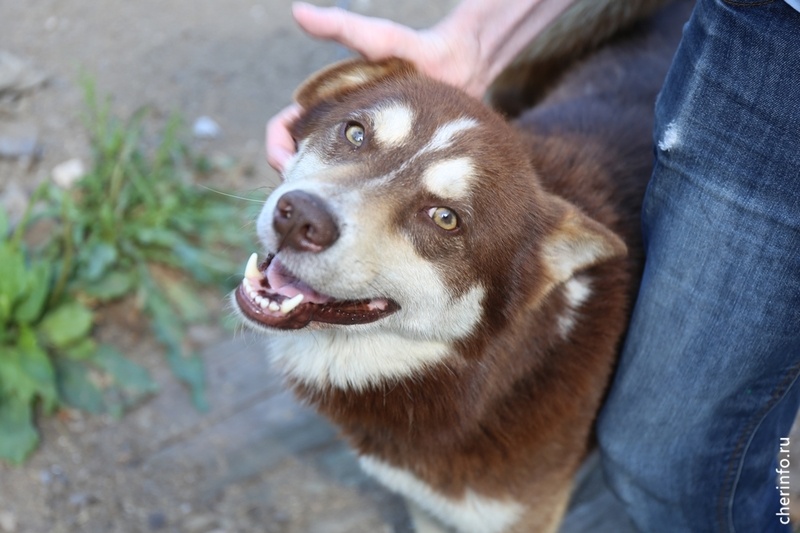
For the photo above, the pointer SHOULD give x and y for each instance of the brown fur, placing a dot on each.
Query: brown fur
(579, 31)
(509, 413)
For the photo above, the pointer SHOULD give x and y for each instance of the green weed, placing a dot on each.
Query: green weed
(134, 227)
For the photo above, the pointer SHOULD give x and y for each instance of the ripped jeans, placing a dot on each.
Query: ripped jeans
(707, 384)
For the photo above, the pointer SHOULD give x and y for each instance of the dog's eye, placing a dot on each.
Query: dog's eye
(354, 133)
(444, 218)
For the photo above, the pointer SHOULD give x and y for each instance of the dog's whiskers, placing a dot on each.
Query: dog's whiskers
(229, 195)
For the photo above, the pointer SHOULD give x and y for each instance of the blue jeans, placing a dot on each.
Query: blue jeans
(707, 383)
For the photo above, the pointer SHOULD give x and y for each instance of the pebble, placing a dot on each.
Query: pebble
(67, 173)
(82, 499)
(45, 477)
(18, 75)
(206, 128)
(156, 520)
(199, 524)
(20, 148)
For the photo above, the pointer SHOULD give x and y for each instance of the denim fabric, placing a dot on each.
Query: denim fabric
(707, 383)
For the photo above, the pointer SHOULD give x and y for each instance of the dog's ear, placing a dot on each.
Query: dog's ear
(578, 242)
(346, 76)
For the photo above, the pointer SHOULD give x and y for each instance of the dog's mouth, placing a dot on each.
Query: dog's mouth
(271, 296)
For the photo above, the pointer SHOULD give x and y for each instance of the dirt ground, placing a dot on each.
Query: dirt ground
(258, 461)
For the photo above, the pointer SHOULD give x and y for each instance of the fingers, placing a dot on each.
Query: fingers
(447, 56)
(280, 144)
(373, 38)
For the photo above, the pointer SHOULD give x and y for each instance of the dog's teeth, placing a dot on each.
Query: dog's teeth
(263, 303)
(251, 270)
(273, 306)
(246, 283)
(252, 294)
(291, 303)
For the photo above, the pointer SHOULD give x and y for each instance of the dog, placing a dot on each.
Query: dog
(452, 289)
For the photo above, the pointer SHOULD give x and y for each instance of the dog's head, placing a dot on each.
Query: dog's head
(412, 210)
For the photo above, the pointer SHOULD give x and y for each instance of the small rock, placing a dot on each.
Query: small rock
(45, 477)
(20, 148)
(82, 499)
(156, 520)
(8, 522)
(206, 128)
(199, 524)
(17, 75)
(67, 173)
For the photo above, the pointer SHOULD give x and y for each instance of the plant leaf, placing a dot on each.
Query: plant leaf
(34, 362)
(98, 257)
(126, 373)
(31, 307)
(12, 273)
(111, 286)
(66, 324)
(79, 350)
(18, 437)
(13, 378)
(187, 302)
(5, 313)
(4, 225)
(191, 371)
(156, 236)
(75, 387)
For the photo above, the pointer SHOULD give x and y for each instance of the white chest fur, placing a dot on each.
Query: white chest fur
(470, 514)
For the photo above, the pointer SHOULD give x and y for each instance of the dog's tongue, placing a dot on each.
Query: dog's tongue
(283, 282)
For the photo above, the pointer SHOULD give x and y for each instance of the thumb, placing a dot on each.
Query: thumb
(373, 38)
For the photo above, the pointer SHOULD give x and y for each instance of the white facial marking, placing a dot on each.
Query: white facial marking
(393, 124)
(576, 291)
(450, 178)
(303, 164)
(473, 513)
(444, 136)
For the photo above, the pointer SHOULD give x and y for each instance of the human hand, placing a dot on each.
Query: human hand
(446, 52)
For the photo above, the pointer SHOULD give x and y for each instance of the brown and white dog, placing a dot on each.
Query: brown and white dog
(452, 289)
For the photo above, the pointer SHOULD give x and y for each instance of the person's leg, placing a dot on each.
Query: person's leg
(706, 385)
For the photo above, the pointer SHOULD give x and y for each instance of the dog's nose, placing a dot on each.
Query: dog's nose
(304, 223)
